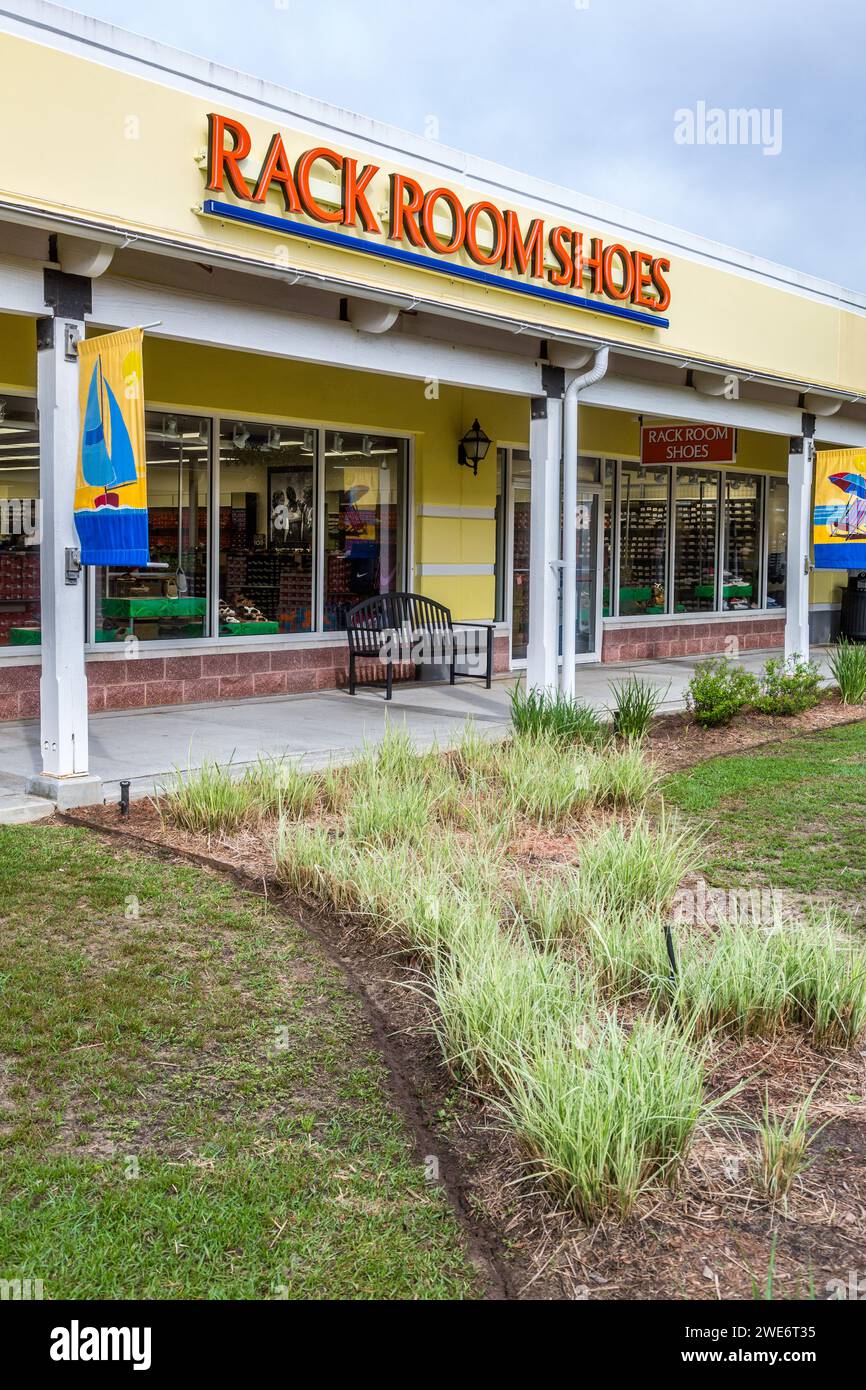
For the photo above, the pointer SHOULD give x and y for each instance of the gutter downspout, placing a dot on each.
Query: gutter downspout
(569, 513)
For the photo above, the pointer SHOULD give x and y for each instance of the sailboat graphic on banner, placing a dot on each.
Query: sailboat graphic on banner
(111, 486)
(101, 468)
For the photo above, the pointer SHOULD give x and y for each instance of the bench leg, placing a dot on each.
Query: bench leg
(389, 680)
(351, 673)
(489, 679)
(453, 676)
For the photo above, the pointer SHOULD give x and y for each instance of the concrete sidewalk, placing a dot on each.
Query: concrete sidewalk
(147, 745)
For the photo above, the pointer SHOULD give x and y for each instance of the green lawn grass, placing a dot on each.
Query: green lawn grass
(190, 1106)
(792, 815)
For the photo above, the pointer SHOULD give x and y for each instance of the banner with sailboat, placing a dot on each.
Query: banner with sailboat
(840, 509)
(111, 483)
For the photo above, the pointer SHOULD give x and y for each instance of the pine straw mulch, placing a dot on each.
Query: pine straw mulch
(676, 741)
(709, 1235)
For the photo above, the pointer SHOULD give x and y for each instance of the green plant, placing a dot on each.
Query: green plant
(635, 704)
(752, 979)
(277, 786)
(718, 690)
(621, 776)
(847, 662)
(213, 799)
(552, 715)
(604, 1111)
(623, 871)
(788, 686)
(783, 1145)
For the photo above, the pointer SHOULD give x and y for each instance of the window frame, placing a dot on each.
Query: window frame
(318, 635)
(717, 613)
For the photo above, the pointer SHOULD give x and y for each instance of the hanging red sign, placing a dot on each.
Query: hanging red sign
(687, 444)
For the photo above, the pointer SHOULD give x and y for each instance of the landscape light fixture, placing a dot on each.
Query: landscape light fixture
(473, 447)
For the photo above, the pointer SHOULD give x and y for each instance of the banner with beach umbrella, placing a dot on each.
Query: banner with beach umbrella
(111, 483)
(840, 509)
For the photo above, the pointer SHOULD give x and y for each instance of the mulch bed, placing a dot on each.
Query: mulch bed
(676, 741)
(708, 1237)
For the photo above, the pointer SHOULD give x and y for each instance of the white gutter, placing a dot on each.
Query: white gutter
(570, 452)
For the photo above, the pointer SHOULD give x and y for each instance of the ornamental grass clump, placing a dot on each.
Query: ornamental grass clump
(636, 702)
(783, 1147)
(626, 869)
(542, 781)
(219, 799)
(497, 997)
(847, 662)
(621, 776)
(752, 979)
(544, 714)
(604, 1111)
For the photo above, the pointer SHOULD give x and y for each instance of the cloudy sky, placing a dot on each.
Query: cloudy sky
(586, 93)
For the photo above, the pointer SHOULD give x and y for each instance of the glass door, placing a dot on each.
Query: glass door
(589, 557)
(588, 562)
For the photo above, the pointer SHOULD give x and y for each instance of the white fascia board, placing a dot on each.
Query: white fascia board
(683, 403)
(113, 47)
(22, 286)
(275, 333)
(840, 431)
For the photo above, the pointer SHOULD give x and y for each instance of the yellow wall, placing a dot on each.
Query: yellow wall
(189, 377)
(17, 353)
(210, 379)
(120, 151)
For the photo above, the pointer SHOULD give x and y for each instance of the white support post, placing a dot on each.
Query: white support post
(63, 689)
(800, 456)
(545, 452)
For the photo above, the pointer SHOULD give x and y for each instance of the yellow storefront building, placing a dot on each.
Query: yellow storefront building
(331, 307)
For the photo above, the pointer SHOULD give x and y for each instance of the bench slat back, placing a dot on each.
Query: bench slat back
(411, 613)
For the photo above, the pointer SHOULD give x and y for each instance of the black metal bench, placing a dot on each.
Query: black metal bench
(395, 628)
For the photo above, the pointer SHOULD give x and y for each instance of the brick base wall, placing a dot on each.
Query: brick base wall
(197, 678)
(658, 640)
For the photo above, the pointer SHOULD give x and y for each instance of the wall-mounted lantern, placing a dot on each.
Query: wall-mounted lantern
(473, 447)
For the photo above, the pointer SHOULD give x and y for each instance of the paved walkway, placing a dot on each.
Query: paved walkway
(146, 746)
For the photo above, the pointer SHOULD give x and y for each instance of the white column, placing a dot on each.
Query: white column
(800, 456)
(569, 540)
(545, 452)
(63, 689)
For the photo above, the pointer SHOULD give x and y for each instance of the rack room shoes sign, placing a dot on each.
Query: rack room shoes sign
(326, 197)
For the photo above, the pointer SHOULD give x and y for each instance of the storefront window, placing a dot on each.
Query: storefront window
(643, 539)
(365, 487)
(266, 528)
(741, 578)
(696, 505)
(777, 541)
(170, 602)
(19, 523)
